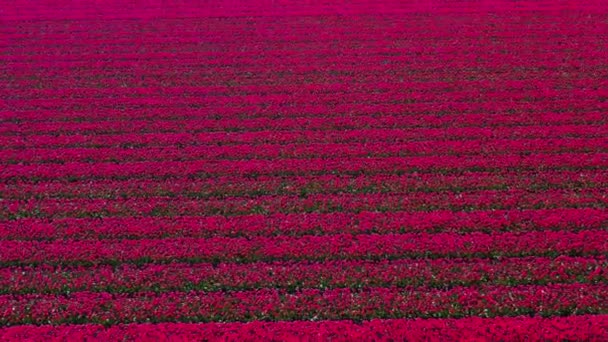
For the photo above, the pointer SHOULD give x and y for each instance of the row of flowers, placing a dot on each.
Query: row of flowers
(291, 276)
(494, 147)
(303, 186)
(592, 328)
(224, 23)
(317, 248)
(396, 95)
(282, 92)
(306, 304)
(306, 121)
(313, 166)
(316, 203)
(395, 135)
(412, 53)
(300, 224)
(188, 48)
(430, 110)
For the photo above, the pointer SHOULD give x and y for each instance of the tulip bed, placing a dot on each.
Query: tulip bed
(319, 170)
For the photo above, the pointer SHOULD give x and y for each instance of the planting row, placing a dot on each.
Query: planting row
(307, 151)
(160, 76)
(268, 10)
(417, 59)
(304, 186)
(391, 71)
(250, 226)
(320, 50)
(309, 122)
(316, 203)
(395, 93)
(317, 248)
(396, 21)
(291, 100)
(406, 87)
(445, 164)
(592, 328)
(172, 111)
(438, 273)
(307, 304)
(326, 92)
(304, 136)
(420, 31)
(416, 52)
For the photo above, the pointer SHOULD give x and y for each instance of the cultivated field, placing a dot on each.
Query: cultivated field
(319, 170)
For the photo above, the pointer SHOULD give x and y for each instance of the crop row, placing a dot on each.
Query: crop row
(445, 164)
(326, 90)
(112, 52)
(422, 63)
(501, 20)
(268, 10)
(403, 49)
(159, 77)
(419, 31)
(173, 111)
(290, 276)
(308, 151)
(304, 186)
(317, 248)
(119, 51)
(250, 226)
(303, 136)
(393, 97)
(307, 304)
(415, 59)
(325, 123)
(316, 203)
(413, 62)
(483, 86)
(592, 328)
(401, 41)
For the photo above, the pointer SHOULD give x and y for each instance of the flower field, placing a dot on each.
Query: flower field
(318, 170)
